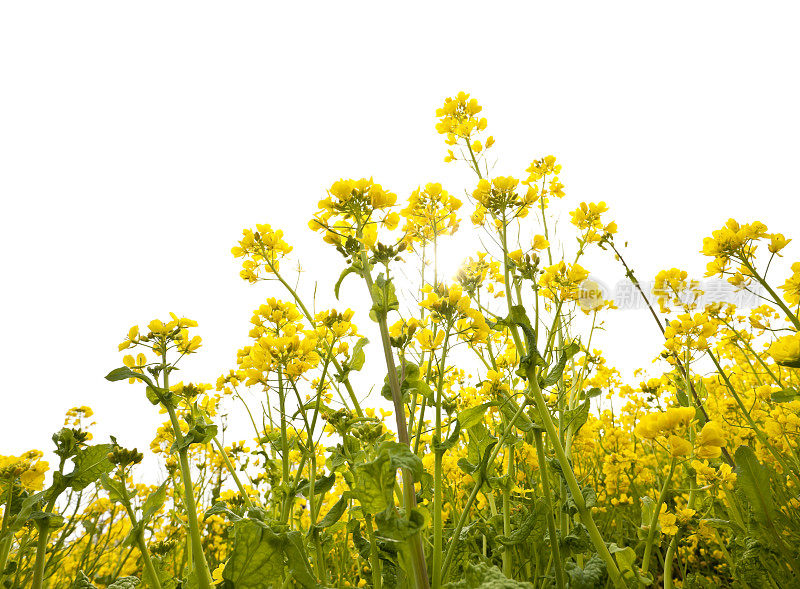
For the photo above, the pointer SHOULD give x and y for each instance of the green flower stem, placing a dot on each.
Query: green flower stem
(673, 544)
(420, 571)
(555, 549)
(462, 519)
(374, 557)
(232, 470)
(584, 513)
(762, 437)
(437, 474)
(195, 542)
(651, 533)
(508, 561)
(140, 543)
(5, 545)
(792, 317)
(328, 346)
(43, 528)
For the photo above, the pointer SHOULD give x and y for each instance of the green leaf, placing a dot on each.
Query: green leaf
(558, 370)
(299, 569)
(589, 498)
(410, 381)
(575, 418)
(256, 561)
(391, 526)
(83, 582)
(357, 357)
(124, 583)
(591, 576)
(593, 392)
(384, 298)
(576, 542)
(123, 372)
(509, 408)
(153, 503)
(220, 508)
(785, 396)
(536, 519)
(201, 433)
(342, 276)
(335, 513)
(375, 482)
(753, 480)
(626, 558)
(474, 415)
(114, 488)
(484, 576)
(451, 440)
(90, 464)
(321, 485)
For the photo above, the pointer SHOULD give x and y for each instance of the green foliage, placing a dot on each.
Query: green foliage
(591, 576)
(483, 576)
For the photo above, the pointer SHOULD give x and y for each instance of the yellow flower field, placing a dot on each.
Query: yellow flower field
(514, 455)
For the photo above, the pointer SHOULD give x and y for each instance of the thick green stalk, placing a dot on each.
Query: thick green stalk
(374, 557)
(555, 549)
(195, 542)
(420, 571)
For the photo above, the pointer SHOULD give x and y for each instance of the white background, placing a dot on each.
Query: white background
(138, 139)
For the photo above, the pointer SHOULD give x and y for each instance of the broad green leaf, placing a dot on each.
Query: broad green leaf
(591, 576)
(483, 576)
(123, 372)
(357, 356)
(375, 482)
(785, 396)
(752, 478)
(220, 508)
(398, 529)
(384, 298)
(535, 520)
(90, 464)
(474, 415)
(153, 503)
(451, 440)
(335, 513)
(558, 370)
(577, 417)
(299, 569)
(402, 457)
(256, 561)
(321, 485)
(113, 487)
(83, 582)
(576, 542)
(124, 583)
